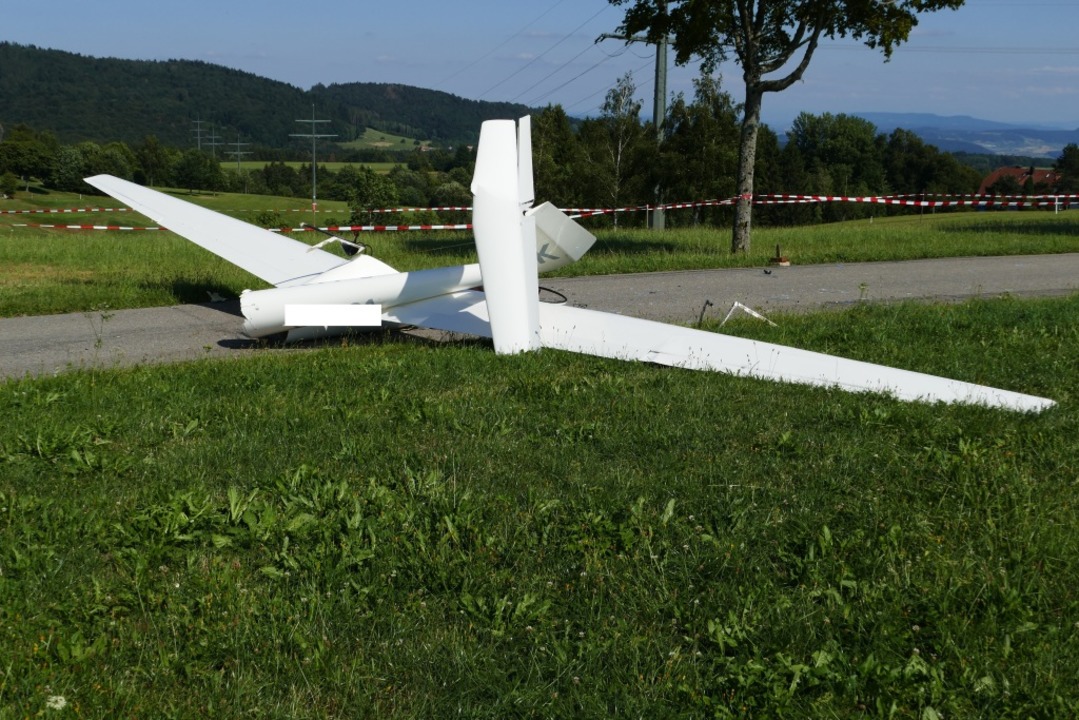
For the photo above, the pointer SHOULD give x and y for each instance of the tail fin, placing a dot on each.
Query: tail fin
(505, 238)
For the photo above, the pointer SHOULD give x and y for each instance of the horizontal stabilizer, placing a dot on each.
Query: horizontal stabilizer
(627, 338)
(560, 240)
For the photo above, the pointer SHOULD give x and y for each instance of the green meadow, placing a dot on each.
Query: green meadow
(383, 527)
(373, 138)
(334, 165)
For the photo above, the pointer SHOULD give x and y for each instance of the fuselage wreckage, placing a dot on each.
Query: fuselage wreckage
(317, 292)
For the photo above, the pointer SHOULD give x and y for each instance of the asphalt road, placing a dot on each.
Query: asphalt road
(51, 344)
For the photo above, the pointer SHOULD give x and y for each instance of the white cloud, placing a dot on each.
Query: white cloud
(1057, 70)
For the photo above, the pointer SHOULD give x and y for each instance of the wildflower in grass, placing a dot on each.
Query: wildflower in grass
(56, 702)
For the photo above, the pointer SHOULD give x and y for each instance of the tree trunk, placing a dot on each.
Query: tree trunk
(747, 160)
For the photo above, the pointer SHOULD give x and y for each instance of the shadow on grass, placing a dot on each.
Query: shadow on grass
(363, 338)
(199, 293)
(453, 245)
(632, 246)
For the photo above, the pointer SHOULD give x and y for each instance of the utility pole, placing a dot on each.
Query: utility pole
(314, 138)
(659, 106)
(659, 113)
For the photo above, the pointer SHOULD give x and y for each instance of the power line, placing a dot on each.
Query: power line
(606, 89)
(542, 54)
(576, 77)
(503, 44)
(552, 73)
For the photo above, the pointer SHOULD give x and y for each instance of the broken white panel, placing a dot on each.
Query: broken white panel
(748, 311)
(559, 239)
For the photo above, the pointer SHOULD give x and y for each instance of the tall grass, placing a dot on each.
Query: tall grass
(394, 529)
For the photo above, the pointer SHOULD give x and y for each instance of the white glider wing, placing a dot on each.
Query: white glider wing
(277, 259)
(628, 338)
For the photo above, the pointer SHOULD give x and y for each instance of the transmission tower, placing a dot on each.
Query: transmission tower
(314, 164)
(238, 153)
(198, 122)
(213, 140)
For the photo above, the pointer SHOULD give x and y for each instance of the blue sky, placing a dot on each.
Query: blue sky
(1004, 60)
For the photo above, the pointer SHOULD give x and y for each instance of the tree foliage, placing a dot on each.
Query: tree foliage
(556, 158)
(197, 170)
(1068, 167)
(371, 191)
(773, 42)
(612, 146)
(698, 156)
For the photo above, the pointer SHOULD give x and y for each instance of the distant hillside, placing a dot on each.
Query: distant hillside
(105, 99)
(972, 135)
(412, 111)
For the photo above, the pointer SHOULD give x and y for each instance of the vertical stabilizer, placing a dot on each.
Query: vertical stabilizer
(505, 242)
(526, 191)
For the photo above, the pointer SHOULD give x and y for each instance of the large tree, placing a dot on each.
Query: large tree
(846, 149)
(698, 153)
(768, 38)
(611, 145)
(1068, 167)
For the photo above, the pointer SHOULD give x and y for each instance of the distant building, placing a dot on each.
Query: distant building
(1042, 177)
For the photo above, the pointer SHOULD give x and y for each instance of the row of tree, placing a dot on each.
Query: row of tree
(613, 160)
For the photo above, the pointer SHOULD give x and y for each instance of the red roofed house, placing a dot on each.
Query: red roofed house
(1042, 177)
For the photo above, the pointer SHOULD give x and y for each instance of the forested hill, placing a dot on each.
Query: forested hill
(105, 99)
(412, 111)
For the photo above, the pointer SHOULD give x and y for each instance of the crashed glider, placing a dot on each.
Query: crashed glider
(316, 292)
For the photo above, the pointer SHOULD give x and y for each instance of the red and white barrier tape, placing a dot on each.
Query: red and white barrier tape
(987, 201)
(46, 211)
(82, 227)
(373, 228)
(976, 200)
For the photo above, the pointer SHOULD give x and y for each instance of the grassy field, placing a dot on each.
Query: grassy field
(372, 139)
(388, 528)
(382, 140)
(392, 529)
(48, 271)
(248, 165)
